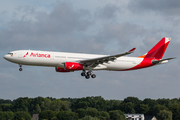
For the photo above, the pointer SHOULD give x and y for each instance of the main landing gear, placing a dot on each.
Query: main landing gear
(88, 74)
(20, 69)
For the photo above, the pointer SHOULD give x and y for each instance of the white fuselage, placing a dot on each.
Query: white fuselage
(68, 62)
(57, 59)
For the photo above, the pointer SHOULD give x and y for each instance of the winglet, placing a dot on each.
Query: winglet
(132, 50)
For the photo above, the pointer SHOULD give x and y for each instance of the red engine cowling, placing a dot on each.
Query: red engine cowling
(58, 69)
(73, 66)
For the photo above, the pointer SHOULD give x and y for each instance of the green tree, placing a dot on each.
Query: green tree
(151, 103)
(58, 105)
(22, 104)
(21, 115)
(173, 102)
(144, 109)
(95, 102)
(164, 115)
(89, 118)
(66, 115)
(37, 105)
(6, 107)
(176, 111)
(66, 106)
(47, 114)
(117, 115)
(128, 107)
(99, 103)
(81, 112)
(104, 114)
(9, 115)
(164, 102)
(134, 100)
(2, 101)
(157, 109)
(54, 118)
(79, 104)
(2, 116)
(113, 105)
(46, 104)
(102, 118)
(37, 109)
(92, 112)
(6, 115)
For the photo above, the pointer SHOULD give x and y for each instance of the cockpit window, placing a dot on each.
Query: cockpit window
(10, 54)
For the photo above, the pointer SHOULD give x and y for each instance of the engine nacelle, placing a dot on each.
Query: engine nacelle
(58, 69)
(73, 66)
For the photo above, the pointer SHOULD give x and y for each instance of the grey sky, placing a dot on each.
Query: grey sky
(99, 27)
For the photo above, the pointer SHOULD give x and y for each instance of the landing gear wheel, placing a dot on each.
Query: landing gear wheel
(83, 74)
(87, 76)
(88, 73)
(93, 75)
(20, 69)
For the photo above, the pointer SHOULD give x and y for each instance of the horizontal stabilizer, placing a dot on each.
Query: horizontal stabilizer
(161, 61)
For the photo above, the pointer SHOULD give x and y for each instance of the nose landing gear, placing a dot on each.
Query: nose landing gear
(20, 69)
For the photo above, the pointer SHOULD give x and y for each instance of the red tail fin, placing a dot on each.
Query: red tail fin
(158, 50)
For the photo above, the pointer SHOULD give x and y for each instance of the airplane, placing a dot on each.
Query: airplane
(70, 62)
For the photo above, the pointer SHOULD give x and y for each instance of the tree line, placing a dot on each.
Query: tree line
(87, 108)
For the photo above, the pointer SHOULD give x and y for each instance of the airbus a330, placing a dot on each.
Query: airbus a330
(70, 62)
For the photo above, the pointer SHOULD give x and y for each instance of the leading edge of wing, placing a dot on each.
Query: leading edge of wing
(101, 60)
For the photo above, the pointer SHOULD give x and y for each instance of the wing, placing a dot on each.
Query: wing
(95, 61)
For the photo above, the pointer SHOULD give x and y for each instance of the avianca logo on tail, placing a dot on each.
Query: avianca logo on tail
(37, 55)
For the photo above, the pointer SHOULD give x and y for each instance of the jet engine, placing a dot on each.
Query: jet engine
(73, 66)
(58, 69)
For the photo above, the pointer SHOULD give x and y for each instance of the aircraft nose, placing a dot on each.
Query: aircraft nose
(5, 57)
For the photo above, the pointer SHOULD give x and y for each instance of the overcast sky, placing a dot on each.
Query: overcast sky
(98, 27)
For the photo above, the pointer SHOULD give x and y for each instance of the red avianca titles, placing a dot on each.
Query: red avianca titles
(69, 62)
